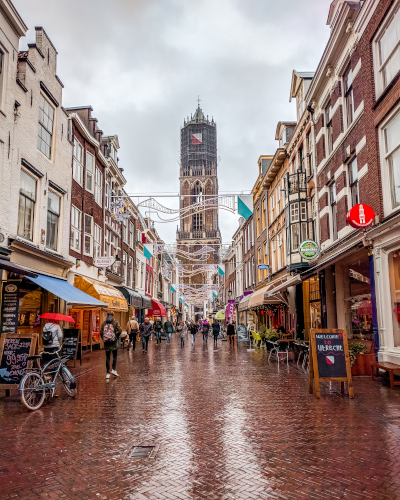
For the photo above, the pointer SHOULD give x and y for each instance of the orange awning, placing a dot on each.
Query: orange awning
(101, 291)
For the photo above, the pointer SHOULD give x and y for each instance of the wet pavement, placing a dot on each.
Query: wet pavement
(225, 424)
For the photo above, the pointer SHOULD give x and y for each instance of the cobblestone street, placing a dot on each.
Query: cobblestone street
(226, 425)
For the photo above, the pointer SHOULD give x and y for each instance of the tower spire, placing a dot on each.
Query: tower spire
(198, 102)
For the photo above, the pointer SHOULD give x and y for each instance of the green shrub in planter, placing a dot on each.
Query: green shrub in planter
(271, 334)
(262, 332)
(355, 349)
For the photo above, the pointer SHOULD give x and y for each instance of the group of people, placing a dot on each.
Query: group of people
(110, 331)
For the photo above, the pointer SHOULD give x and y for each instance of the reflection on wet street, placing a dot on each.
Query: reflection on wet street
(225, 424)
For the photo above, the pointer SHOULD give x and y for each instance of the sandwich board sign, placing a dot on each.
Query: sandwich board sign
(329, 359)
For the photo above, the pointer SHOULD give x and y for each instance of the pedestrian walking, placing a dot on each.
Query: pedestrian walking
(193, 330)
(169, 328)
(183, 333)
(205, 328)
(110, 331)
(132, 327)
(146, 329)
(51, 336)
(158, 328)
(231, 332)
(216, 329)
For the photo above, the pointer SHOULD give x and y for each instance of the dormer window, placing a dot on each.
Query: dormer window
(282, 140)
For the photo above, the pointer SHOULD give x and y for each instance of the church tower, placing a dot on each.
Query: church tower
(198, 182)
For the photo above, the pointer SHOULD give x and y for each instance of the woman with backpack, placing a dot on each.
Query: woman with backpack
(51, 336)
(109, 332)
(132, 328)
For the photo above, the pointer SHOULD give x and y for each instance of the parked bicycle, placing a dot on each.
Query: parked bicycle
(40, 383)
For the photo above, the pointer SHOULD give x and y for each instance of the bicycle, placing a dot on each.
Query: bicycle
(40, 383)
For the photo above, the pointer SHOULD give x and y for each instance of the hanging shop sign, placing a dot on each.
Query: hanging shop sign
(263, 266)
(309, 250)
(104, 261)
(360, 215)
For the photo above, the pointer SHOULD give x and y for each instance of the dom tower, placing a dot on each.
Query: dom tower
(198, 182)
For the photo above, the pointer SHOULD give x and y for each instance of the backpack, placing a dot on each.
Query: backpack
(47, 336)
(108, 333)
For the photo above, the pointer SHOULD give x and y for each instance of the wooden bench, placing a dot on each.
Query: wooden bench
(389, 367)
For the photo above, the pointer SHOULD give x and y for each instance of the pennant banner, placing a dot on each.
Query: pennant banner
(148, 250)
(245, 205)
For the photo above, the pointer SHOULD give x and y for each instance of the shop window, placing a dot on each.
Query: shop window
(89, 171)
(332, 195)
(53, 216)
(46, 119)
(26, 209)
(394, 274)
(98, 188)
(392, 157)
(387, 50)
(349, 97)
(353, 181)
(97, 240)
(88, 239)
(76, 224)
(77, 168)
(329, 130)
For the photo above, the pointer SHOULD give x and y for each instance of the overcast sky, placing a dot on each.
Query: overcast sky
(142, 63)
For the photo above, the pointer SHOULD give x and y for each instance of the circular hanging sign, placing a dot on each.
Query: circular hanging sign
(360, 215)
(309, 249)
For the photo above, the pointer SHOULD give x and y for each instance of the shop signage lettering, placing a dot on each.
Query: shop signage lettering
(360, 216)
(263, 266)
(9, 307)
(309, 250)
(242, 333)
(72, 344)
(104, 261)
(14, 359)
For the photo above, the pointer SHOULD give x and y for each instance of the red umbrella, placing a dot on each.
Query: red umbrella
(58, 317)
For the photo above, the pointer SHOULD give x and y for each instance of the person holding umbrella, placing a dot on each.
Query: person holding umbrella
(52, 334)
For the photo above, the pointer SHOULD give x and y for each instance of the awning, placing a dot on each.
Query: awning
(292, 280)
(147, 302)
(15, 268)
(65, 291)
(107, 294)
(134, 298)
(157, 309)
(244, 303)
(258, 298)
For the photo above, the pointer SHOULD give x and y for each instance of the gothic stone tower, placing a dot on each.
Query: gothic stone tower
(198, 181)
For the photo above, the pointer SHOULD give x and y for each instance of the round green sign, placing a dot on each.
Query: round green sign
(309, 250)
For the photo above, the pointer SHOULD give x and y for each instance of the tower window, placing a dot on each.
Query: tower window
(197, 222)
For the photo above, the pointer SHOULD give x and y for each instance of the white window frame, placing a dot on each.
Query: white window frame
(88, 173)
(294, 212)
(58, 220)
(34, 201)
(76, 216)
(88, 235)
(379, 83)
(125, 231)
(98, 186)
(42, 126)
(131, 234)
(98, 232)
(385, 168)
(77, 166)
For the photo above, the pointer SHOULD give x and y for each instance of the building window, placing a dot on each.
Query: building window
(88, 240)
(329, 130)
(392, 158)
(26, 210)
(142, 275)
(97, 240)
(77, 168)
(294, 212)
(388, 51)
(295, 236)
(89, 171)
(108, 193)
(98, 190)
(258, 222)
(197, 222)
(137, 272)
(125, 265)
(46, 119)
(264, 212)
(131, 233)
(76, 225)
(349, 97)
(309, 154)
(147, 282)
(332, 195)
(125, 231)
(53, 216)
(353, 181)
(130, 274)
(107, 249)
(260, 272)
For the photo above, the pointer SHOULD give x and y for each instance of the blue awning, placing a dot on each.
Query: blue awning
(67, 292)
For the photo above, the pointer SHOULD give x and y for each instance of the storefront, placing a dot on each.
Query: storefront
(157, 310)
(268, 310)
(135, 302)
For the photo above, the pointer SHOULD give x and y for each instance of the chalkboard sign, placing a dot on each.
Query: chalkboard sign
(242, 333)
(329, 359)
(14, 352)
(72, 345)
(9, 306)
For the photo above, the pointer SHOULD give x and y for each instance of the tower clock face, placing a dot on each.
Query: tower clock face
(197, 138)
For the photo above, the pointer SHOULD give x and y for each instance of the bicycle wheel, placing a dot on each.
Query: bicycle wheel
(68, 382)
(31, 396)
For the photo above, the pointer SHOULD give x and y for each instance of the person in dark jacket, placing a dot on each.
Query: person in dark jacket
(169, 328)
(111, 346)
(193, 330)
(231, 332)
(158, 328)
(205, 328)
(146, 329)
(216, 329)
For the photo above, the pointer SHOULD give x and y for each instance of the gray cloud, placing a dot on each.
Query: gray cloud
(142, 63)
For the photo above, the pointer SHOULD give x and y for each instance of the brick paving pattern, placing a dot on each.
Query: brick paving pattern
(226, 425)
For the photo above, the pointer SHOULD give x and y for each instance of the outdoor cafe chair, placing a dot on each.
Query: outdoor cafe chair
(300, 351)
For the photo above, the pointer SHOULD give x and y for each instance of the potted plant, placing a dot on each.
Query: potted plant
(362, 356)
(262, 333)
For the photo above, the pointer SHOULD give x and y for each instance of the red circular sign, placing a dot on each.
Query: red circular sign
(360, 215)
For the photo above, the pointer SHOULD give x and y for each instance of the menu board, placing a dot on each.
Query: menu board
(329, 359)
(9, 306)
(14, 353)
(72, 346)
(242, 333)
